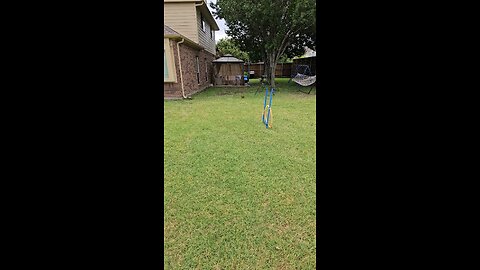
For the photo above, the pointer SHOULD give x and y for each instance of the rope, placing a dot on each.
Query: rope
(265, 116)
(270, 120)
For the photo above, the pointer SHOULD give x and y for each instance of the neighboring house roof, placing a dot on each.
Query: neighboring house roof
(227, 58)
(168, 32)
(309, 52)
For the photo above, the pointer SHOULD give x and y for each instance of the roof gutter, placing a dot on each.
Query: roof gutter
(180, 65)
(187, 41)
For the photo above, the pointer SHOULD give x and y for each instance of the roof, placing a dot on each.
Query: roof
(227, 58)
(309, 52)
(168, 32)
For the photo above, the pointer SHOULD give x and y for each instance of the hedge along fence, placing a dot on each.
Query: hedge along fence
(281, 70)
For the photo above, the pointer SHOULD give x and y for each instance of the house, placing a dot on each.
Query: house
(309, 53)
(189, 47)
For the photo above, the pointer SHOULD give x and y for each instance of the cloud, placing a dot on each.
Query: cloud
(221, 24)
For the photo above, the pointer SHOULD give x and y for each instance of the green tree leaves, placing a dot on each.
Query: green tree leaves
(268, 29)
(226, 46)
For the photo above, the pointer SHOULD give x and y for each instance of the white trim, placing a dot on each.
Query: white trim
(203, 23)
(206, 70)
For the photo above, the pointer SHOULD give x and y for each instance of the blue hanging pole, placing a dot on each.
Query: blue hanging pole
(264, 104)
(269, 107)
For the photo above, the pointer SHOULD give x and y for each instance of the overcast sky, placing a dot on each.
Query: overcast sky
(221, 24)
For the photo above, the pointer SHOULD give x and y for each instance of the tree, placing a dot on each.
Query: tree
(227, 46)
(268, 29)
(285, 59)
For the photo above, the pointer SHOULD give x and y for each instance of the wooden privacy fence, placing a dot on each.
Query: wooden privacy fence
(281, 70)
(284, 69)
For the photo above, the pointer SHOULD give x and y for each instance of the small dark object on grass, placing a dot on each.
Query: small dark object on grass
(243, 96)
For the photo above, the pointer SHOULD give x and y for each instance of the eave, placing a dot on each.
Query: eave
(187, 41)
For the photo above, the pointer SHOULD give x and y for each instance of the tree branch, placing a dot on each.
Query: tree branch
(282, 46)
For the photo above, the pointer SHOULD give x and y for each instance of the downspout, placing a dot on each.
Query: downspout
(180, 65)
(197, 5)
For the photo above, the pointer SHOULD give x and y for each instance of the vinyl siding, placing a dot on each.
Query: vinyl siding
(181, 18)
(204, 37)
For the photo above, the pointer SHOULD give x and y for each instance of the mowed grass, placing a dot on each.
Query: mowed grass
(238, 195)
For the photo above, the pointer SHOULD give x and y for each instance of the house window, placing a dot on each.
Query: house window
(206, 70)
(198, 71)
(169, 73)
(211, 33)
(203, 22)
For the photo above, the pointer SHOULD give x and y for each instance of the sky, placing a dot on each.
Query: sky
(221, 24)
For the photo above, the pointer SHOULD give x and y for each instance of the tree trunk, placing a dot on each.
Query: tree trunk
(267, 69)
(273, 64)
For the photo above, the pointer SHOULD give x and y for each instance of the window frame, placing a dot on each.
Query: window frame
(206, 70)
(198, 69)
(202, 23)
(168, 56)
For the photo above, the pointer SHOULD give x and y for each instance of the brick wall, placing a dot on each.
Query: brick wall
(189, 71)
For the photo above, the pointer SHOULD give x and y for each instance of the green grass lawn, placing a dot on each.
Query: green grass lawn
(238, 195)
